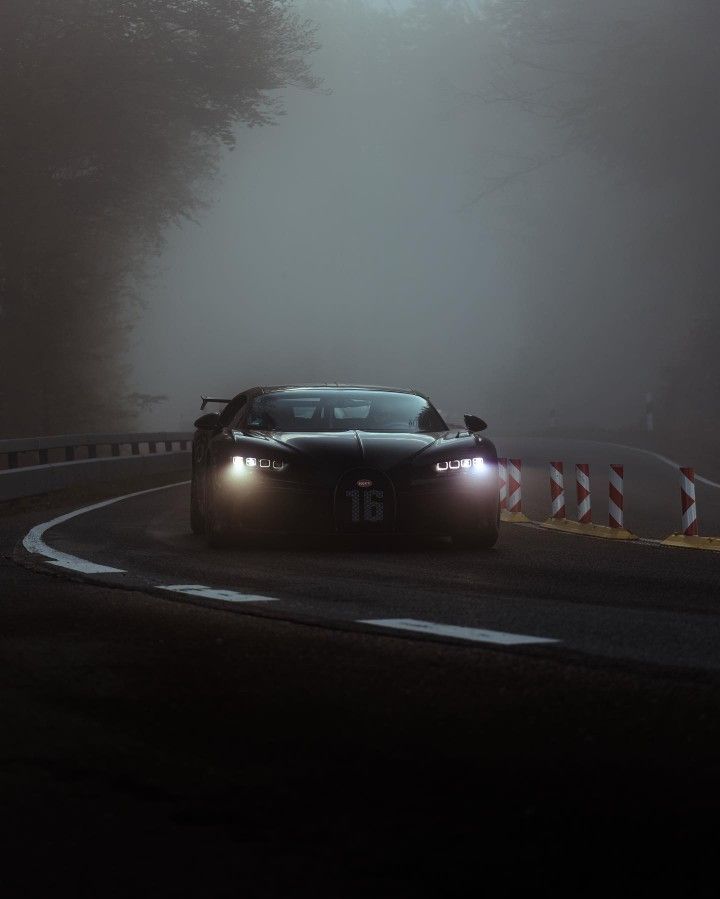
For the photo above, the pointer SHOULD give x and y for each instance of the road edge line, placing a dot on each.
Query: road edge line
(34, 543)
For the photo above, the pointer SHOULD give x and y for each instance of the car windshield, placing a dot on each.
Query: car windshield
(326, 409)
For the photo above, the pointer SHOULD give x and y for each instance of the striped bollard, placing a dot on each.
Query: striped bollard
(690, 536)
(503, 483)
(582, 478)
(689, 508)
(557, 490)
(514, 477)
(616, 505)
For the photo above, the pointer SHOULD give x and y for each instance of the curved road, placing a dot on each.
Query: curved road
(157, 746)
(537, 592)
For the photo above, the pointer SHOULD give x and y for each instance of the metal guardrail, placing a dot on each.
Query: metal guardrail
(14, 451)
(30, 466)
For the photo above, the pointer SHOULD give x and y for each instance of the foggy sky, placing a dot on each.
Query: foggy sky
(351, 242)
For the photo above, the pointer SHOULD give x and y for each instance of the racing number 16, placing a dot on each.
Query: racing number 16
(372, 505)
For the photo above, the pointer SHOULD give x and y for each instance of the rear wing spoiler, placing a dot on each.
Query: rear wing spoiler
(211, 399)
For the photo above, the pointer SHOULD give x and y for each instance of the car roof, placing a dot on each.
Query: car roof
(335, 386)
(279, 388)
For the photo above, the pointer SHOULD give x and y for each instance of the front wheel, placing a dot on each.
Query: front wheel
(483, 537)
(219, 532)
(479, 538)
(197, 519)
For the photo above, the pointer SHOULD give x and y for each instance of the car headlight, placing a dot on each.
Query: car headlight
(243, 463)
(476, 463)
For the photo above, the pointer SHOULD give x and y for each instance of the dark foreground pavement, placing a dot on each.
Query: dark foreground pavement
(153, 748)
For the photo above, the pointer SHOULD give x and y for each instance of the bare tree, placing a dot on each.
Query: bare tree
(113, 113)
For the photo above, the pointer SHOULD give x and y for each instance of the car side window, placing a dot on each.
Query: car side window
(232, 411)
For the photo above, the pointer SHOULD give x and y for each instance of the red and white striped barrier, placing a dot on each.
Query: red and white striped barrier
(503, 483)
(557, 490)
(582, 478)
(616, 500)
(689, 508)
(514, 477)
(690, 537)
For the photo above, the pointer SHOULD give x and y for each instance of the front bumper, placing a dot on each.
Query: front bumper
(425, 506)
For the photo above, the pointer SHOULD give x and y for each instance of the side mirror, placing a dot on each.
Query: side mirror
(208, 422)
(474, 424)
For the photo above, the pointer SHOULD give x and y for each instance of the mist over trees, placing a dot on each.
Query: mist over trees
(113, 116)
(633, 85)
(510, 204)
(468, 211)
(341, 247)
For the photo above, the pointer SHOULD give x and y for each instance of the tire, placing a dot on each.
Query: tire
(483, 537)
(219, 534)
(197, 519)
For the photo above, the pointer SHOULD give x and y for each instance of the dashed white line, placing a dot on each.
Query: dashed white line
(477, 635)
(34, 543)
(213, 593)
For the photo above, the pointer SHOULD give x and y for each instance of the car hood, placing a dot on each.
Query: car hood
(361, 448)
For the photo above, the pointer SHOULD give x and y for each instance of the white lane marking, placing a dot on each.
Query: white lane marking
(478, 635)
(34, 543)
(213, 593)
(658, 456)
(676, 466)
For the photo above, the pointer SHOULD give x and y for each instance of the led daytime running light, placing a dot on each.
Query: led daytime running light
(253, 462)
(475, 463)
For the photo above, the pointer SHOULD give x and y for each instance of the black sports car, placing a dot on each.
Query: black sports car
(341, 459)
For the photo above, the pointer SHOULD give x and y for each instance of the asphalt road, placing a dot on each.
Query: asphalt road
(265, 741)
(538, 591)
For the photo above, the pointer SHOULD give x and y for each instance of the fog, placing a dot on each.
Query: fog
(412, 223)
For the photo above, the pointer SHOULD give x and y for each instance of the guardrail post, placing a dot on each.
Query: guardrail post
(168, 446)
(69, 453)
(514, 501)
(582, 479)
(152, 446)
(135, 449)
(616, 498)
(115, 449)
(43, 456)
(557, 491)
(503, 483)
(690, 536)
(689, 507)
(92, 451)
